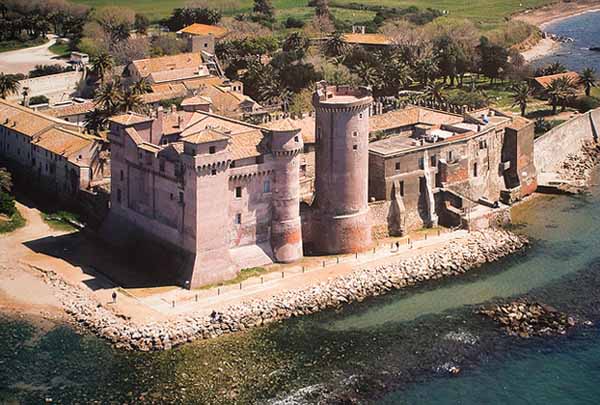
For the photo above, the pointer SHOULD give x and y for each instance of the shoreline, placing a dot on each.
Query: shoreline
(548, 15)
(452, 259)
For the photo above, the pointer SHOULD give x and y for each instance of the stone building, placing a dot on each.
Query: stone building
(51, 151)
(226, 194)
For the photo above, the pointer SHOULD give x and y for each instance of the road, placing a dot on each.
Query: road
(24, 60)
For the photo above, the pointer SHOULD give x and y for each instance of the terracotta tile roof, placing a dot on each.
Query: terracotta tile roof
(204, 136)
(394, 119)
(367, 39)
(244, 145)
(196, 100)
(203, 29)
(178, 74)
(23, 120)
(226, 102)
(62, 142)
(201, 121)
(164, 91)
(71, 109)
(165, 63)
(129, 118)
(200, 82)
(545, 81)
(134, 135)
(286, 124)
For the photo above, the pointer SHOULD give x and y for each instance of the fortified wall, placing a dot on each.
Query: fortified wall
(552, 148)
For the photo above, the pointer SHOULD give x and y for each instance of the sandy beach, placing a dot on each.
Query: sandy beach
(545, 16)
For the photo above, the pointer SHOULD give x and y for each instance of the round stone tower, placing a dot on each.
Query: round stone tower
(286, 227)
(341, 223)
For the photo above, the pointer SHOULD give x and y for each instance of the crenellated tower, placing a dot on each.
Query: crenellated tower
(341, 223)
(286, 229)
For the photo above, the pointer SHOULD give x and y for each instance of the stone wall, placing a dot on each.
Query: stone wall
(552, 148)
(379, 213)
(58, 87)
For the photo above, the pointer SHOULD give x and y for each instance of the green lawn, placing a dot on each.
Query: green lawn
(243, 275)
(61, 49)
(60, 220)
(487, 13)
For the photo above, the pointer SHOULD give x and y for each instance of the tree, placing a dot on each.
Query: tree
(264, 8)
(552, 69)
(142, 86)
(108, 96)
(521, 93)
(435, 92)
(102, 64)
(115, 21)
(141, 23)
(560, 91)
(494, 58)
(130, 100)
(182, 17)
(5, 180)
(9, 84)
(588, 80)
(296, 43)
(335, 46)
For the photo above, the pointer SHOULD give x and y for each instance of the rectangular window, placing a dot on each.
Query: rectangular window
(122, 176)
(212, 150)
(267, 186)
(213, 172)
(433, 161)
(474, 169)
(238, 192)
(397, 166)
(118, 195)
(483, 144)
(296, 139)
(238, 219)
(171, 196)
(402, 188)
(355, 147)
(181, 197)
(355, 134)
(421, 163)
(449, 156)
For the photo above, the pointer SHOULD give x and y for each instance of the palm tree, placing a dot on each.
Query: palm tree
(8, 85)
(426, 69)
(435, 92)
(102, 64)
(130, 100)
(560, 91)
(521, 94)
(109, 96)
(335, 46)
(588, 80)
(367, 73)
(141, 87)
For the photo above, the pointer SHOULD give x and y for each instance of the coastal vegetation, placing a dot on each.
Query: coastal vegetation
(10, 218)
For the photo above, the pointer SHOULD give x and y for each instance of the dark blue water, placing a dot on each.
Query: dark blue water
(585, 30)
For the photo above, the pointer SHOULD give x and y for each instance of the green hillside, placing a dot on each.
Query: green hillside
(487, 13)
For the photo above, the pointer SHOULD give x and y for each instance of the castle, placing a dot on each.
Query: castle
(212, 186)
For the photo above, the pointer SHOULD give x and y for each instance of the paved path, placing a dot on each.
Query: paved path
(80, 261)
(24, 60)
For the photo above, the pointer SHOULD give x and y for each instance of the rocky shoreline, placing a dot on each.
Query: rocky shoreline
(577, 168)
(455, 258)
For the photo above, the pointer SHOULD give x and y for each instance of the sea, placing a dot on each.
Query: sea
(393, 349)
(584, 29)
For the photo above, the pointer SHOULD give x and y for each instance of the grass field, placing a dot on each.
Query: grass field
(487, 13)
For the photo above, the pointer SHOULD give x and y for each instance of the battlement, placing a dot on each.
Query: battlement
(341, 97)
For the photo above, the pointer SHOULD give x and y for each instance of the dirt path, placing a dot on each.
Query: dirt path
(24, 60)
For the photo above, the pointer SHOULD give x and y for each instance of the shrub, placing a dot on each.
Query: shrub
(293, 22)
(7, 204)
(38, 100)
(585, 103)
(45, 70)
(471, 99)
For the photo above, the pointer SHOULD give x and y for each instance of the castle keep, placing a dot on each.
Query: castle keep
(227, 194)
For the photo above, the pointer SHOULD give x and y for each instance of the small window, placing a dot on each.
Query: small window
(238, 192)
(474, 169)
(297, 139)
(360, 116)
(303, 169)
(355, 147)
(433, 160)
(354, 134)
(402, 189)
(238, 219)
(212, 150)
(449, 156)
(181, 196)
(421, 163)
(118, 195)
(171, 196)
(397, 166)
(483, 144)
(122, 175)
(213, 172)
(267, 186)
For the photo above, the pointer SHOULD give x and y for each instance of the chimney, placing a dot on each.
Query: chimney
(157, 124)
